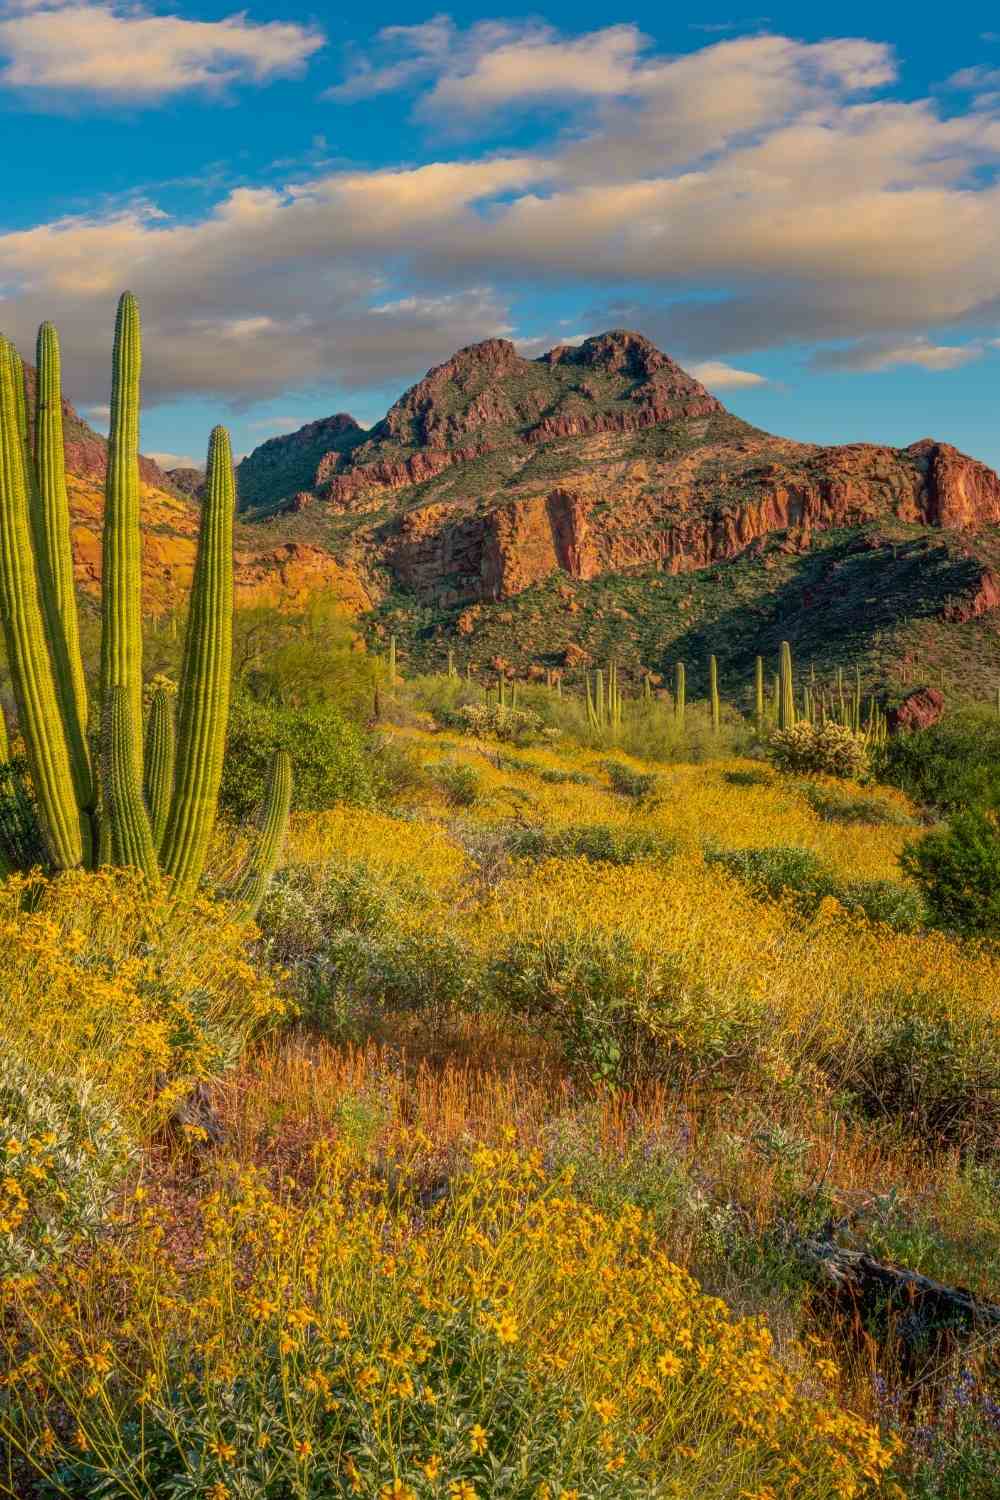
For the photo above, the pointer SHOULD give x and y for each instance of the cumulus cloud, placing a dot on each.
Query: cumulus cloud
(761, 190)
(875, 356)
(176, 461)
(116, 51)
(719, 376)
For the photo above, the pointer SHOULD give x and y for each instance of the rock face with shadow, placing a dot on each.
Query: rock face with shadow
(496, 472)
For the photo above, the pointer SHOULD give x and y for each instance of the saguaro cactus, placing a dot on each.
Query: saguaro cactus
(786, 701)
(713, 693)
(758, 688)
(680, 692)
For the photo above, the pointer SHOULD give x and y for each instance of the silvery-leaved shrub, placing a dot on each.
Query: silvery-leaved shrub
(824, 749)
(64, 1151)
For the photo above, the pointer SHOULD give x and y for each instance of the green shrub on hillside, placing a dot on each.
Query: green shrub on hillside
(617, 1015)
(600, 842)
(958, 869)
(331, 761)
(775, 872)
(639, 785)
(955, 764)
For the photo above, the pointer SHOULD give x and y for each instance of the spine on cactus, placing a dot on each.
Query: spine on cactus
(54, 562)
(680, 692)
(128, 820)
(249, 891)
(203, 702)
(786, 702)
(159, 762)
(27, 650)
(713, 693)
(758, 693)
(121, 580)
(20, 403)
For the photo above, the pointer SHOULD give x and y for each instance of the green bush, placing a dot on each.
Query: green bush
(955, 764)
(934, 1071)
(639, 785)
(459, 783)
(331, 759)
(618, 1015)
(600, 842)
(836, 807)
(830, 749)
(22, 843)
(64, 1152)
(958, 870)
(776, 871)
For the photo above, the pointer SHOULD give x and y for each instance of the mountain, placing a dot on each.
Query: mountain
(507, 504)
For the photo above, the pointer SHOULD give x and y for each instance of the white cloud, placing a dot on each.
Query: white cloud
(762, 190)
(876, 356)
(175, 461)
(719, 376)
(117, 51)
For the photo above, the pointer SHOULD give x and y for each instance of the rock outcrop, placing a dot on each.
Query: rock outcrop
(498, 471)
(918, 710)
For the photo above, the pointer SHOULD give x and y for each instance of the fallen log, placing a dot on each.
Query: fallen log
(924, 1318)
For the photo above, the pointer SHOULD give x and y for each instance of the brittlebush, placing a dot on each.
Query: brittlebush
(511, 1342)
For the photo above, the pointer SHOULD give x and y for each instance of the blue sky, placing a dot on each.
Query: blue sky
(801, 206)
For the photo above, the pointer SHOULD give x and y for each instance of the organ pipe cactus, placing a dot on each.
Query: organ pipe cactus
(27, 650)
(252, 885)
(128, 819)
(121, 579)
(161, 752)
(206, 674)
(168, 830)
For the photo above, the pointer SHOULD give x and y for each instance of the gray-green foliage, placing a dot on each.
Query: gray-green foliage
(82, 1153)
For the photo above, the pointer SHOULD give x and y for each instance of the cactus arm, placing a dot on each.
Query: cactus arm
(131, 835)
(252, 885)
(30, 664)
(121, 579)
(203, 704)
(49, 510)
(159, 762)
(50, 464)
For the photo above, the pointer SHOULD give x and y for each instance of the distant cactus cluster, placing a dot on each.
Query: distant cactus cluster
(122, 797)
